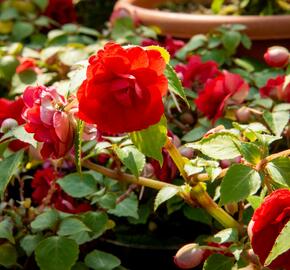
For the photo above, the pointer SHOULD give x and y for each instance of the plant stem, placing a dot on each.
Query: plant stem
(199, 193)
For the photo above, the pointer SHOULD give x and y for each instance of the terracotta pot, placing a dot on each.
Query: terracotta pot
(184, 25)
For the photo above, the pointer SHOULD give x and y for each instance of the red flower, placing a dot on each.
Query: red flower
(195, 73)
(266, 224)
(42, 183)
(123, 90)
(277, 56)
(227, 88)
(27, 64)
(61, 11)
(274, 89)
(45, 117)
(10, 116)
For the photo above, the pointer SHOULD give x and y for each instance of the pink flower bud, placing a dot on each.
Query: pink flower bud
(8, 124)
(243, 115)
(189, 256)
(277, 56)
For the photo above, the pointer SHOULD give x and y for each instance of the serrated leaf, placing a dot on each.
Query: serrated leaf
(251, 152)
(8, 168)
(6, 228)
(78, 185)
(132, 158)
(174, 84)
(279, 170)
(78, 144)
(46, 220)
(239, 182)
(126, 208)
(29, 243)
(276, 121)
(218, 262)
(96, 222)
(70, 226)
(8, 255)
(163, 195)
(151, 140)
(100, 260)
(56, 251)
(282, 244)
(21, 134)
(226, 235)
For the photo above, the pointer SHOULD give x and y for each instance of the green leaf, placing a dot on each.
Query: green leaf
(100, 260)
(174, 84)
(231, 40)
(21, 80)
(6, 232)
(194, 134)
(78, 144)
(8, 14)
(30, 242)
(197, 214)
(96, 222)
(56, 251)
(8, 65)
(108, 201)
(218, 146)
(226, 236)
(239, 182)
(70, 226)
(251, 152)
(126, 208)
(276, 121)
(46, 220)
(78, 185)
(246, 41)
(279, 170)
(216, 6)
(163, 195)
(71, 56)
(194, 43)
(8, 168)
(21, 134)
(42, 4)
(218, 262)
(132, 158)
(22, 30)
(151, 140)
(8, 255)
(255, 201)
(282, 244)
(80, 266)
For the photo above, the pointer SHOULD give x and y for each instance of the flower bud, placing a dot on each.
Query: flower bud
(243, 114)
(277, 56)
(189, 256)
(8, 124)
(187, 118)
(186, 152)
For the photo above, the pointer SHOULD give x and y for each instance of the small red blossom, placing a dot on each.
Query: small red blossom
(196, 73)
(62, 11)
(27, 64)
(277, 56)
(225, 89)
(10, 113)
(45, 117)
(42, 183)
(266, 224)
(274, 89)
(123, 90)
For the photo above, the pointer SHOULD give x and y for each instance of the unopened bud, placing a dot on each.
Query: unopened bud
(8, 124)
(187, 118)
(277, 56)
(189, 256)
(186, 152)
(243, 114)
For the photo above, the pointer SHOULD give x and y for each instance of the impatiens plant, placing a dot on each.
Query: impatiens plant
(108, 139)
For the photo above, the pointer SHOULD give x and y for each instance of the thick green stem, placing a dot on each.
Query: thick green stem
(199, 193)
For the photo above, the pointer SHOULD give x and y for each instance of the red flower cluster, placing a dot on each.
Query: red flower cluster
(227, 88)
(266, 224)
(274, 89)
(61, 11)
(46, 118)
(43, 181)
(123, 90)
(10, 115)
(195, 73)
(27, 64)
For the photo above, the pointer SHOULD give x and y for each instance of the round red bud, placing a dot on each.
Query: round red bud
(189, 256)
(277, 56)
(243, 114)
(8, 124)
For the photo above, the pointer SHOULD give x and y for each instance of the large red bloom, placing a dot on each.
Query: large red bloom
(12, 110)
(267, 222)
(123, 90)
(61, 11)
(195, 73)
(42, 183)
(274, 89)
(46, 118)
(227, 88)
